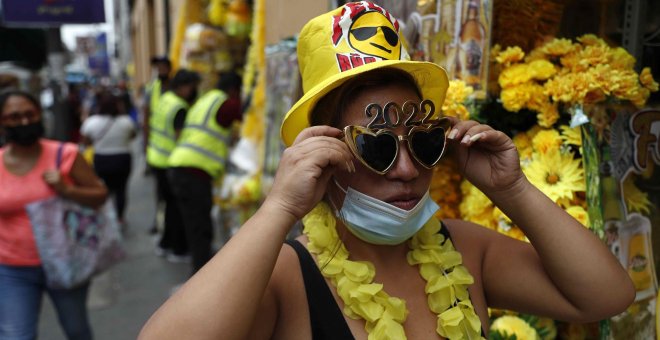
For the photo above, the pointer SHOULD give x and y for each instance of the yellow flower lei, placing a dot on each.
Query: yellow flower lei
(439, 264)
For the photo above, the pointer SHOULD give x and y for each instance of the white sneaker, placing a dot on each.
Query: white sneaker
(173, 258)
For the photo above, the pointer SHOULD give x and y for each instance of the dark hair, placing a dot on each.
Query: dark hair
(184, 77)
(4, 96)
(161, 60)
(229, 80)
(108, 102)
(328, 109)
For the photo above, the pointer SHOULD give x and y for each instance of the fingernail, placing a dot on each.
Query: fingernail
(466, 139)
(353, 166)
(476, 137)
(453, 134)
(348, 167)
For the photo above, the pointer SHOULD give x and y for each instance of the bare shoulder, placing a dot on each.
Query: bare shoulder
(467, 235)
(287, 265)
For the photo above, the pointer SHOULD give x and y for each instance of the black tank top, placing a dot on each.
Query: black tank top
(324, 314)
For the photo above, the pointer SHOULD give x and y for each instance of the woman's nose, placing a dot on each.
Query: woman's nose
(24, 120)
(405, 167)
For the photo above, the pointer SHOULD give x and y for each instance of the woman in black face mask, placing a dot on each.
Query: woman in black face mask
(28, 174)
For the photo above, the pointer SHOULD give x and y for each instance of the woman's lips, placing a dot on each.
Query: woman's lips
(405, 204)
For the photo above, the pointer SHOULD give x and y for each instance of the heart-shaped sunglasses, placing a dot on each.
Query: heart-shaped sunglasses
(378, 149)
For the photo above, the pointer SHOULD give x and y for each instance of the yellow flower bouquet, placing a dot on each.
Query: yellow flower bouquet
(555, 79)
(571, 75)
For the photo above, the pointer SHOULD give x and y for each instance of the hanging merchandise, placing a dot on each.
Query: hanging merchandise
(206, 51)
(283, 87)
(246, 158)
(454, 35)
(217, 12)
(202, 41)
(238, 19)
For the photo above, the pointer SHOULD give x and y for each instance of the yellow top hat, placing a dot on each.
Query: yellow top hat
(355, 38)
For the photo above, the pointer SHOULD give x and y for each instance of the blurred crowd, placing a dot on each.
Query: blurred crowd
(184, 138)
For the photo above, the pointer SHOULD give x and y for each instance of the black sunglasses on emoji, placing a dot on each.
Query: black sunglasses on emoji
(365, 33)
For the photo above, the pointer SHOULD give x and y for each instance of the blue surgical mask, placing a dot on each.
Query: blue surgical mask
(378, 222)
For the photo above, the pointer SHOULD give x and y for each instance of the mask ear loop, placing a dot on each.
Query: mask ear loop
(338, 214)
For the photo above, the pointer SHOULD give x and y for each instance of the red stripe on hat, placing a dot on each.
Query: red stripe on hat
(336, 29)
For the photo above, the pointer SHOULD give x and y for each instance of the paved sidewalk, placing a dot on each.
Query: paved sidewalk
(122, 299)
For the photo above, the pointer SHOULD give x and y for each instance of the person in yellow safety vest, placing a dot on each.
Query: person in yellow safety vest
(155, 89)
(199, 157)
(166, 123)
(153, 92)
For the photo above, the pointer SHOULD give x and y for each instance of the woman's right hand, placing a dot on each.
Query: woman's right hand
(305, 168)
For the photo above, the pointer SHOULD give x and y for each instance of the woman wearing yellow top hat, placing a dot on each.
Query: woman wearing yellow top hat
(362, 141)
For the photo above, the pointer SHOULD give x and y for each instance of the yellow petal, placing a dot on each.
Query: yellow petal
(387, 329)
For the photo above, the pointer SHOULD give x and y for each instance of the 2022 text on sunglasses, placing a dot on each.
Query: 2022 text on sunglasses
(376, 145)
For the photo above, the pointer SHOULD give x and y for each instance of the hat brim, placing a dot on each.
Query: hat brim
(431, 79)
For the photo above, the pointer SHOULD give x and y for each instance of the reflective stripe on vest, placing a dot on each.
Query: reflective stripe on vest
(162, 138)
(203, 143)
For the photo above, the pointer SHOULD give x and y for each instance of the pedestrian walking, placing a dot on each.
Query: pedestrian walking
(110, 132)
(27, 175)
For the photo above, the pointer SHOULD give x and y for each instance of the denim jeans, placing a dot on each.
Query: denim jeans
(21, 289)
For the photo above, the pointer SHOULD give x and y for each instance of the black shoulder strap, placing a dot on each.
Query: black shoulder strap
(58, 156)
(325, 316)
(444, 231)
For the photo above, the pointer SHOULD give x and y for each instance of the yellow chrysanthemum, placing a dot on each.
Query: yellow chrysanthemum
(646, 78)
(571, 63)
(579, 214)
(547, 114)
(571, 136)
(511, 325)
(546, 141)
(524, 145)
(515, 75)
(636, 200)
(510, 55)
(525, 95)
(591, 39)
(535, 54)
(515, 98)
(474, 201)
(542, 69)
(558, 47)
(570, 87)
(620, 59)
(533, 131)
(457, 94)
(594, 55)
(556, 174)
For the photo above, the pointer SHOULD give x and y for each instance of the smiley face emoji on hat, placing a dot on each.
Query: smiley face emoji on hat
(373, 34)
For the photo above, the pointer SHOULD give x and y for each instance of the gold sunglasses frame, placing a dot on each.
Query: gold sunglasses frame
(353, 130)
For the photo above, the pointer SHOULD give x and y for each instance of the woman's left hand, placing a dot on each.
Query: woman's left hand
(54, 179)
(486, 157)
